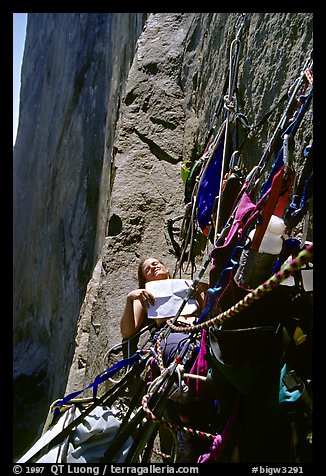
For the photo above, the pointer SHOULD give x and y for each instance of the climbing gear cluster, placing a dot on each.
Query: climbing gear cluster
(239, 388)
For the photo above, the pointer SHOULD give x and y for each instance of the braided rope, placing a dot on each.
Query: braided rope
(303, 257)
(159, 352)
(167, 424)
(160, 453)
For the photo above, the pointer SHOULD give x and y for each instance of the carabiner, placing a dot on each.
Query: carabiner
(286, 152)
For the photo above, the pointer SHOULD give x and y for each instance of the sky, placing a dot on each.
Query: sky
(19, 31)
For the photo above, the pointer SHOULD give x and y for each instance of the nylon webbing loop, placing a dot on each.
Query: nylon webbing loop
(102, 377)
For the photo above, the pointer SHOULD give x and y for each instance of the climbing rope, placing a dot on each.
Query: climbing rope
(218, 136)
(167, 424)
(297, 263)
(230, 106)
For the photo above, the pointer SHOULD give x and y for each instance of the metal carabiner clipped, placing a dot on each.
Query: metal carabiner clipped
(286, 153)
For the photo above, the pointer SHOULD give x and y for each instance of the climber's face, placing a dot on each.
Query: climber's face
(154, 270)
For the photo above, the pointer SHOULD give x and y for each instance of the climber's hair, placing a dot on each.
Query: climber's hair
(141, 277)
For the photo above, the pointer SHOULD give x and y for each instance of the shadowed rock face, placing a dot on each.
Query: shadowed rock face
(74, 72)
(104, 126)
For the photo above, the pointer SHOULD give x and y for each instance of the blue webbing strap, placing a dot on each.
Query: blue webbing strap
(102, 377)
(291, 130)
(214, 293)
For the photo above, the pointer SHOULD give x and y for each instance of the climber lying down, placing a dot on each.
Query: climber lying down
(139, 301)
(142, 305)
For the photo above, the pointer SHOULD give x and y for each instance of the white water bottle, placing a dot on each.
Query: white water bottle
(272, 241)
(257, 266)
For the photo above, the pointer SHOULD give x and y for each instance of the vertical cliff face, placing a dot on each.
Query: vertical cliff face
(74, 71)
(104, 126)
